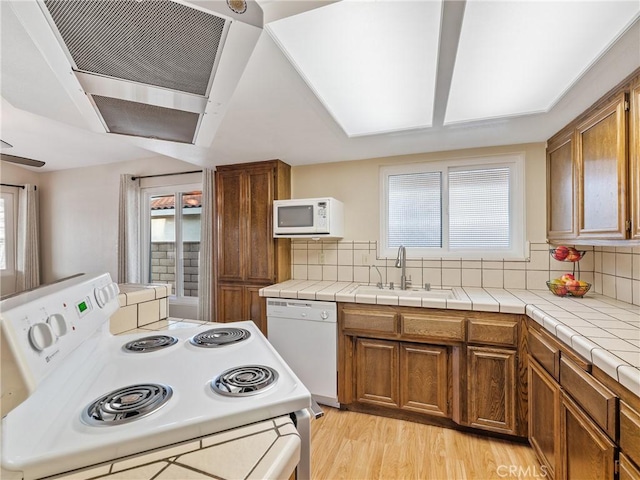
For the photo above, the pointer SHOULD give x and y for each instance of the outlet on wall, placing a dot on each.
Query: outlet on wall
(321, 258)
(365, 259)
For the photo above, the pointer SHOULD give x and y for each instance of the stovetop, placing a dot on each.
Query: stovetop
(43, 441)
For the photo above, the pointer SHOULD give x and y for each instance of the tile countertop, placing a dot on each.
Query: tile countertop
(603, 330)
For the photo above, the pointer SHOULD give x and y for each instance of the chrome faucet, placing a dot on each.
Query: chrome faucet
(401, 262)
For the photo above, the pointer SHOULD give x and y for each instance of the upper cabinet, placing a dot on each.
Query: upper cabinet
(601, 158)
(592, 171)
(634, 156)
(561, 184)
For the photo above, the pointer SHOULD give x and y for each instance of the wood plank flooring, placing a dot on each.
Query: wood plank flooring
(349, 445)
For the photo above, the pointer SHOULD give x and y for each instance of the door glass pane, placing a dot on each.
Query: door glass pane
(191, 210)
(163, 240)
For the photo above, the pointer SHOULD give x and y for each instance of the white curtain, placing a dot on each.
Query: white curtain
(205, 275)
(129, 230)
(28, 251)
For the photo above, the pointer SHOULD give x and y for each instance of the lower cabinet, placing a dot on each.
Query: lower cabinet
(491, 388)
(241, 302)
(450, 368)
(402, 375)
(587, 453)
(424, 378)
(377, 372)
(544, 418)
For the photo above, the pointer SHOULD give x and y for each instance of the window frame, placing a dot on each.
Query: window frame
(146, 193)
(517, 218)
(10, 196)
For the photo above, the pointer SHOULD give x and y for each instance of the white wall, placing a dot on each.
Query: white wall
(356, 184)
(79, 215)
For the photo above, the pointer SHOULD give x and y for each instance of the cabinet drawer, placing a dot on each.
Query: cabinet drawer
(433, 327)
(545, 353)
(630, 432)
(597, 400)
(493, 332)
(369, 320)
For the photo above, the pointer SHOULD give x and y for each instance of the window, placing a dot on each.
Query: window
(8, 204)
(465, 208)
(171, 237)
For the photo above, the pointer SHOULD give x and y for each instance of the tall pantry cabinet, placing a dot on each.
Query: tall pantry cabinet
(247, 256)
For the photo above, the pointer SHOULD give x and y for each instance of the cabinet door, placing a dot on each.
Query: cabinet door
(231, 305)
(256, 307)
(634, 157)
(491, 389)
(237, 303)
(260, 257)
(230, 237)
(377, 372)
(544, 417)
(602, 172)
(628, 471)
(424, 379)
(587, 453)
(561, 189)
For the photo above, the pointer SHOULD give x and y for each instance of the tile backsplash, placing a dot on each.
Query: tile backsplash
(614, 272)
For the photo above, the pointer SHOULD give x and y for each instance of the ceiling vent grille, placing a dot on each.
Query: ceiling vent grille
(160, 43)
(144, 120)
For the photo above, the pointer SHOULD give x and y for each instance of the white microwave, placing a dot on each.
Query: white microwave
(308, 218)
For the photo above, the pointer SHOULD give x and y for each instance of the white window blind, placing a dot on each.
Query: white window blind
(415, 210)
(463, 208)
(479, 209)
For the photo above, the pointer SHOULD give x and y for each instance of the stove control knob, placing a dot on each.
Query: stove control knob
(324, 315)
(105, 294)
(58, 324)
(41, 336)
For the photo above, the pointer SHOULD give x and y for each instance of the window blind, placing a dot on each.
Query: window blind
(479, 208)
(415, 210)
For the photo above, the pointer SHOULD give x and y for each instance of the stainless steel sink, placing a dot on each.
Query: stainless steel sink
(415, 292)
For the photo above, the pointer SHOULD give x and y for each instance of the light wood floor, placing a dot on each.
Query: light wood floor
(349, 445)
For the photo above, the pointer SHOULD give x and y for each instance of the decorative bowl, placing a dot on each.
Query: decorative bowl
(566, 254)
(562, 290)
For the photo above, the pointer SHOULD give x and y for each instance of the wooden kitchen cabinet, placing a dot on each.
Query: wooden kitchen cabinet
(601, 160)
(491, 388)
(561, 187)
(634, 156)
(544, 418)
(377, 372)
(445, 367)
(242, 302)
(247, 256)
(424, 374)
(593, 172)
(587, 453)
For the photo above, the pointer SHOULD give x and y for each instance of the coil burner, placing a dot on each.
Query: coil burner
(127, 404)
(245, 381)
(219, 337)
(150, 343)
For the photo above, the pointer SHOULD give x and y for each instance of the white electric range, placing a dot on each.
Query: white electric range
(94, 398)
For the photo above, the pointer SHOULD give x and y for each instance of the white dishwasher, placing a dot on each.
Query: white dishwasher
(305, 334)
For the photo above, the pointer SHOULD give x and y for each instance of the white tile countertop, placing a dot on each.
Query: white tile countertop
(603, 330)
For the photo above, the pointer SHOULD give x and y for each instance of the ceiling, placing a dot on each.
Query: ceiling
(277, 111)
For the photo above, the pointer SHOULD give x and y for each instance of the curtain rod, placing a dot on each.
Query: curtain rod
(11, 185)
(165, 174)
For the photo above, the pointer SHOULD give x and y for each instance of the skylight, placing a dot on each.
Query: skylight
(520, 57)
(372, 64)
